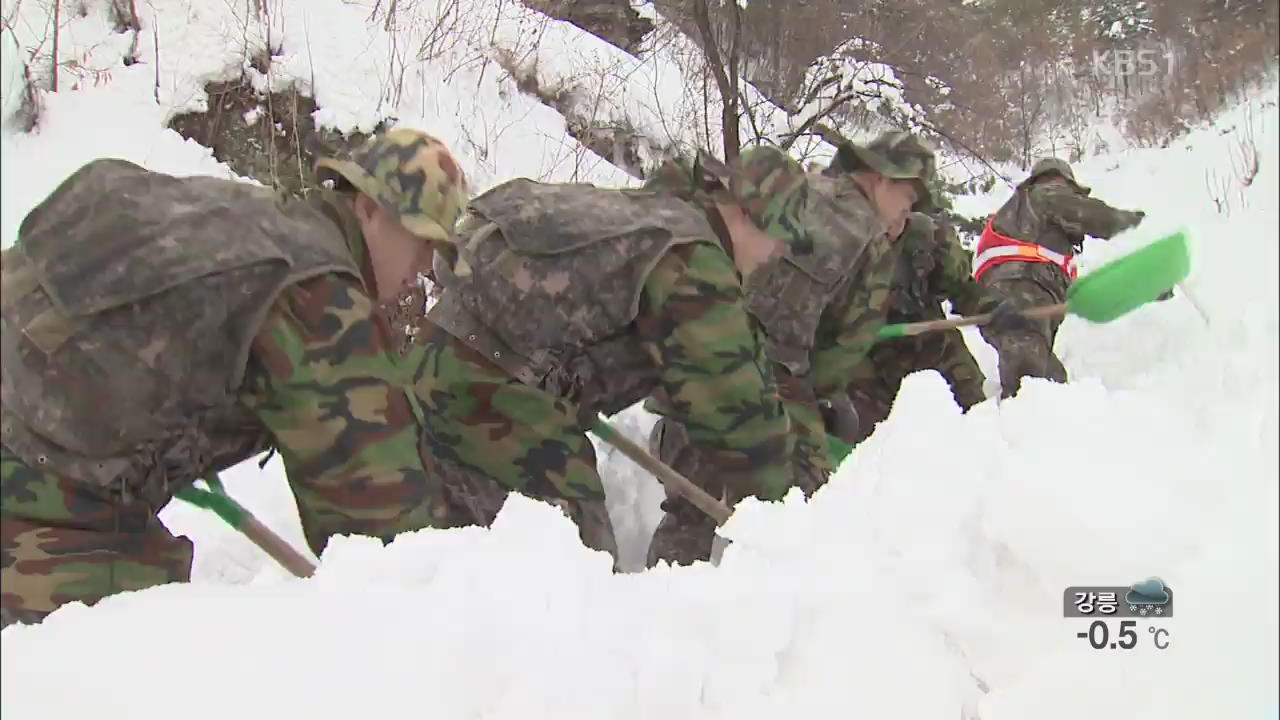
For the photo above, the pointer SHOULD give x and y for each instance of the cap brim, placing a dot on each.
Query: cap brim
(1082, 188)
(419, 225)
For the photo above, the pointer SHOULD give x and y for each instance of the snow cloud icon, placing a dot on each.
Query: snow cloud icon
(1148, 592)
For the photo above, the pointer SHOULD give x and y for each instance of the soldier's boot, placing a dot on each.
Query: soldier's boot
(872, 401)
(470, 498)
(967, 394)
(1025, 354)
(684, 536)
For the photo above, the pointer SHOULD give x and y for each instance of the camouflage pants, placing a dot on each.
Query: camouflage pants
(487, 433)
(63, 541)
(685, 534)
(1026, 351)
(893, 360)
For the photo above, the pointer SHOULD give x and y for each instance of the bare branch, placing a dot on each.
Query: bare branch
(57, 14)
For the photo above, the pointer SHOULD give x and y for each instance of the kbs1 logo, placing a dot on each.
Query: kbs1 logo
(1133, 62)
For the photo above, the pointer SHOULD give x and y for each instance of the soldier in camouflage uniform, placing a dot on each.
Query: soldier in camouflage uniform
(157, 330)
(1027, 253)
(563, 302)
(932, 267)
(820, 302)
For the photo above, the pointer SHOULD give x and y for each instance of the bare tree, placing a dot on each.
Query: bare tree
(724, 56)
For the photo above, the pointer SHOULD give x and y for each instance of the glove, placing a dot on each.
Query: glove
(837, 450)
(840, 418)
(1006, 316)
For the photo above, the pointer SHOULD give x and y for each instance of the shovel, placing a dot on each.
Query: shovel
(216, 500)
(1110, 292)
(237, 516)
(700, 499)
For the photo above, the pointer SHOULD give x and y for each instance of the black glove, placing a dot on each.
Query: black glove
(840, 418)
(1006, 316)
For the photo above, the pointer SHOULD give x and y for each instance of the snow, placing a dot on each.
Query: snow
(925, 581)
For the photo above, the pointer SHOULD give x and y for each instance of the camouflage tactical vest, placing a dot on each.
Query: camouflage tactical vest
(130, 301)
(548, 277)
(789, 295)
(1019, 219)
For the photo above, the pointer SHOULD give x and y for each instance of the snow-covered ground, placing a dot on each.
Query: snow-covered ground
(925, 581)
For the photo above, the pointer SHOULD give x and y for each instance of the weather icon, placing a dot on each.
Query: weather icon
(1143, 595)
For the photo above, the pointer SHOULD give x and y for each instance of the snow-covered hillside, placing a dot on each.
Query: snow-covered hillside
(925, 581)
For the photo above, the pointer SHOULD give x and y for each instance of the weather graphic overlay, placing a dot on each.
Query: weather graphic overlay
(1123, 615)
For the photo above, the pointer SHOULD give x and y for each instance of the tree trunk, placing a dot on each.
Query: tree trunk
(724, 70)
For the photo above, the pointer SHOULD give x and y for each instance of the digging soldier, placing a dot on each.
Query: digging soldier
(932, 266)
(160, 329)
(563, 302)
(820, 301)
(1027, 253)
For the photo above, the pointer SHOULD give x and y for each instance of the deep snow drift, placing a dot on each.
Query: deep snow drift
(924, 581)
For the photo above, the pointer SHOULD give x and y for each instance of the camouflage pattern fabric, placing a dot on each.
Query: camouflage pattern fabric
(820, 306)
(845, 335)
(891, 361)
(410, 173)
(691, 340)
(896, 154)
(1027, 350)
(267, 340)
(135, 320)
(685, 534)
(1057, 216)
(932, 267)
(65, 541)
(1056, 166)
(321, 381)
(487, 433)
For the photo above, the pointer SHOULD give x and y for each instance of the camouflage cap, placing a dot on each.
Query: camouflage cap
(898, 155)
(675, 176)
(1055, 166)
(409, 173)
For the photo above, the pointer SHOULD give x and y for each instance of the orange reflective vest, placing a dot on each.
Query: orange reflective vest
(994, 248)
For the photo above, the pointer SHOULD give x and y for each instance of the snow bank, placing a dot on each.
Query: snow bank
(924, 581)
(359, 71)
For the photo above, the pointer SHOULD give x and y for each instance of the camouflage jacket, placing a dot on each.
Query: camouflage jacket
(848, 329)
(1059, 216)
(933, 266)
(187, 324)
(794, 295)
(603, 297)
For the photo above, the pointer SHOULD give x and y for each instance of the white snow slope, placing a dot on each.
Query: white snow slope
(925, 581)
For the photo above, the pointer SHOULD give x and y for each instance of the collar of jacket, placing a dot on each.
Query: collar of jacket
(340, 212)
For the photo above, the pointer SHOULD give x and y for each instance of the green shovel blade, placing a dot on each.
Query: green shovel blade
(1127, 283)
